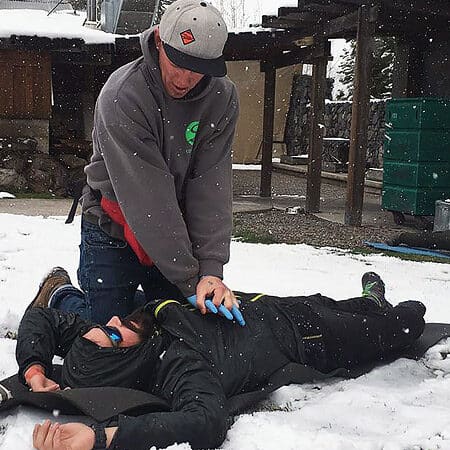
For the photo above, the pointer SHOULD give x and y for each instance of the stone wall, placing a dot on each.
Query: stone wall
(23, 168)
(295, 133)
(337, 122)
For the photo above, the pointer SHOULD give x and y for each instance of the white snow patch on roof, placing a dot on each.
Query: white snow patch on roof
(59, 24)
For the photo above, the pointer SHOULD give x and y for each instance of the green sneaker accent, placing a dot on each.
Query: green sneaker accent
(368, 288)
(373, 289)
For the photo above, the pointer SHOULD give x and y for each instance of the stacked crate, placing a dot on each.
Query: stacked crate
(416, 157)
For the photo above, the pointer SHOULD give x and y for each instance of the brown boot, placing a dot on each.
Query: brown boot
(53, 280)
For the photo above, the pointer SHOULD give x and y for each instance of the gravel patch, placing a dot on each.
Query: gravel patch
(247, 182)
(276, 226)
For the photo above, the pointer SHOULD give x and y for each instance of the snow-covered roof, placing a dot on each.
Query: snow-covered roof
(66, 24)
(59, 24)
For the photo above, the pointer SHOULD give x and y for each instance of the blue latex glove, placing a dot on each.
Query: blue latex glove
(208, 303)
(235, 313)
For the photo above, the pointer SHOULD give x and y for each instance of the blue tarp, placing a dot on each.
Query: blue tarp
(407, 250)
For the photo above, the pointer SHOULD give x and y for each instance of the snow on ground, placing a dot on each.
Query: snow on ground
(246, 166)
(6, 195)
(401, 406)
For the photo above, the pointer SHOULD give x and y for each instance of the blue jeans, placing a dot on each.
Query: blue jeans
(109, 275)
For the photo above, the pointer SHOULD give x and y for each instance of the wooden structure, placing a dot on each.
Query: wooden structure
(413, 22)
(48, 79)
(298, 35)
(26, 85)
(79, 70)
(25, 93)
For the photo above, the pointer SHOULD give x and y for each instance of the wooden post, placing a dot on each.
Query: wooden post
(268, 120)
(360, 115)
(319, 81)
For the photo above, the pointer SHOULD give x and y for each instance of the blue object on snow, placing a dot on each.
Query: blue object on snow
(407, 250)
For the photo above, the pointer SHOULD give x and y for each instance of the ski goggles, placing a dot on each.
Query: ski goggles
(113, 334)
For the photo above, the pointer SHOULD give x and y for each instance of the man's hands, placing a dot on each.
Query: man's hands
(38, 382)
(70, 436)
(215, 289)
(213, 295)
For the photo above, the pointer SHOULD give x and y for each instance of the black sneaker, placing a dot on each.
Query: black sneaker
(373, 288)
(56, 278)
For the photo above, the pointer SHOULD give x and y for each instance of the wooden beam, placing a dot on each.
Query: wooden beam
(339, 25)
(283, 22)
(360, 118)
(40, 43)
(286, 10)
(305, 55)
(357, 3)
(348, 23)
(261, 45)
(303, 16)
(319, 82)
(268, 125)
(330, 9)
(82, 58)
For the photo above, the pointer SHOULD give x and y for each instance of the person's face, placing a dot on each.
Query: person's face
(177, 81)
(98, 336)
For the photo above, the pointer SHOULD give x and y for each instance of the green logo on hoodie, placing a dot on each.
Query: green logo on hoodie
(191, 132)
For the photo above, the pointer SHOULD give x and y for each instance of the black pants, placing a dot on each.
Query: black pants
(357, 331)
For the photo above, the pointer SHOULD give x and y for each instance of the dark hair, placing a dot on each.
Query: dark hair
(141, 322)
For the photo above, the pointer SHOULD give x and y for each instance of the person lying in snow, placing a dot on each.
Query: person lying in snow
(195, 362)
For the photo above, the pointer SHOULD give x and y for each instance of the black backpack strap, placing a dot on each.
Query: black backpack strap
(77, 193)
(75, 187)
(73, 209)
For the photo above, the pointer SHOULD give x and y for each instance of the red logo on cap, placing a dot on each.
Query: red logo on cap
(187, 37)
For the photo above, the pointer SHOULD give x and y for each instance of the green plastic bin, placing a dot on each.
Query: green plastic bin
(427, 174)
(414, 201)
(416, 155)
(413, 145)
(418, 113)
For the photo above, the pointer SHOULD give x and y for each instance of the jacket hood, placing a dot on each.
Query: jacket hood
(146, 40)
(88, 365)
(153, 72)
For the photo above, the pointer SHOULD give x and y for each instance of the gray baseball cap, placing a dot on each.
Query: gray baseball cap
(194, 33)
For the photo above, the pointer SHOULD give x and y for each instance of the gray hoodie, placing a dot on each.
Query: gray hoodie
(143, 139)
